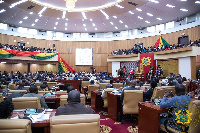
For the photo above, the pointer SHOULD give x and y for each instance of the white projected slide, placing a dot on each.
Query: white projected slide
(83, 56)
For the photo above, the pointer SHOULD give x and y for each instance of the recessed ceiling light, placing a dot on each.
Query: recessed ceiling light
(131, 12)
(116, 27)
(83, 19)
(65, 24)
(40, 15)
(84, 16)
(43, 9)
(155, 1)
(159, 18)
(126, 26)
(119, 6)
(3, 10)
(107, 17)
(58, 18)
(139, 9)
(85, 29)
(184, 10)
(1, 1)
(84, 25)
(66, 19)
(170, 5)
(17, 3)
(54, 27)
(183, 0)
(114, 16)
(33, 25)
(120, 21)
(64, 13)
(197, 2)
(65, 28)
(91, 20)
(56, 23)
(140, 17)
(105, 14)
(36, 20)
(20, 22)
(147, 22)
(150, 14)
(95, 28)
(111, 23)
(93, 24)
(31, 13)
(3, 62)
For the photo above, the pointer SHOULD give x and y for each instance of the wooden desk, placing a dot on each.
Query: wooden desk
(149, 117)
(75, 83)
(39, 126)
(114, 105)
(96, 100)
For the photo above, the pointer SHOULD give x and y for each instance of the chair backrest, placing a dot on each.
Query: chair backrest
(91, 88)
(117, 85)
(1, 98)
(194, 108)
(26, 102)
(50, 84)
(61, 92)
(83, 123)
(27, 87)
(63, 99)
(38, 84)
(102, 85)
(106, 96)
(11, 86)
(85, 83)
(21, 91)
(3, 86)
(146, 84)
(131, 100)
(170, 88)
(158, 92)
(43, 92)
(106, 81)
(15, 126)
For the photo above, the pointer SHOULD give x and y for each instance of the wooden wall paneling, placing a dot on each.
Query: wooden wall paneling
(104, 59)
(96, 59)
(193, 67)
(5, 67)
(109, 67)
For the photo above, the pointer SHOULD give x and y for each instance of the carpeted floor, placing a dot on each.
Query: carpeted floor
(110, 126)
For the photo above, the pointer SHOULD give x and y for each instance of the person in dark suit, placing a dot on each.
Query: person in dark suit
(148, 94)
(74, 106)
(131, 87)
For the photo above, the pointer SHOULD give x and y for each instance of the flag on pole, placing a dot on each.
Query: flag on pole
(161, 42)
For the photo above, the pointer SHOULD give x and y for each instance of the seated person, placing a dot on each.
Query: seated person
(148, 94)
(70, 88)
(21, 87)
(6, 108)
(66, 86)
(131, 87)
(34, 93)
(74, 106)
(179, 102)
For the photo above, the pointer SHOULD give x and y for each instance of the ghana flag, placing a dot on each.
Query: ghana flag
(63, 66)
(161, 42)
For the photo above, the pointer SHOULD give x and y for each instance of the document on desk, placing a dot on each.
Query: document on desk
(39, 117)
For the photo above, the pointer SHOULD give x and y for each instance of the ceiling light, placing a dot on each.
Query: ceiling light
(150, 14)
(43, 9)
(17, 3)
(54, 27)
(155, 1)
(93, 24)
(1, 1)
(120, 21)
(111, 23)
(95, 28)
(107, 17)
(126, 26)
(70, 4)
(90, 19)
(131, 12)
(197, 2)
(25, 17)
(40, 15)
(33, 25)
(147, 22)
(104, 14)
(85, 29)
(116, 27)
(66, 19)
(3, 10)
(3, 62)
(84, 25)
(84, 16)
(114, 16)
(183, 0)
(65, 24)
(139, 9)
(65, 28)
(140, 17)
(36, 20)
(58, 18)
(64, 13)
(31, 13)
(159, 18)
(56, 23)
(20, 22)
(184, 10)
(119, 6)
(170, 5)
